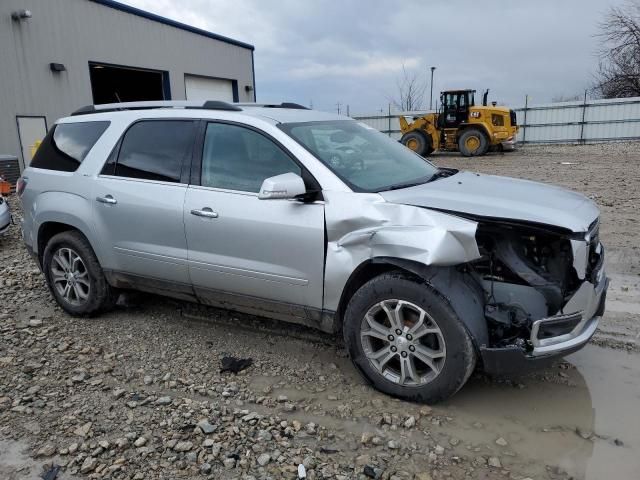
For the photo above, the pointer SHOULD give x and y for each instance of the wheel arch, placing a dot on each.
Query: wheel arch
(464, 295)
(49, 220)
(364, 272)
(48, 229)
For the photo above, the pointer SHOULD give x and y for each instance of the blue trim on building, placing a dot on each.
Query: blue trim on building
(166, 85)
(253, 72)
(234, 89)
(172, 23)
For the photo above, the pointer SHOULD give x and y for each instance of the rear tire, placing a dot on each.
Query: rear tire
(433, 358)
(418, 142)
(74, 275)
(473, 143)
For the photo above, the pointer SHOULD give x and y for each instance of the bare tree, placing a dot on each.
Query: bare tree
(618, 72)
(410, 94)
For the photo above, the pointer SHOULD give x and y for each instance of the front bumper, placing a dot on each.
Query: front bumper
(584, 310)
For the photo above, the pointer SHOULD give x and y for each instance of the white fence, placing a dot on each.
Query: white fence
(587, 121)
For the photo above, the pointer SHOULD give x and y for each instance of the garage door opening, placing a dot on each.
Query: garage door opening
(113, 84)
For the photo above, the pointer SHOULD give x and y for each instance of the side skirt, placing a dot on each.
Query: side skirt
(311, 317)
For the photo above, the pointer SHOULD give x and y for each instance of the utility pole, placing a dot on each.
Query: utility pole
(431, 96)
(524, 123)
(338, 105)
(348, 115)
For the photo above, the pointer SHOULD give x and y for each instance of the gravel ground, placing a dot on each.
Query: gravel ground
(138, 393)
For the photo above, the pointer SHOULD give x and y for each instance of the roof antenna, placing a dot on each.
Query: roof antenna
(118, 98)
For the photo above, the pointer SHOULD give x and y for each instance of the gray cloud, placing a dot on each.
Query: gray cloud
(352, 51)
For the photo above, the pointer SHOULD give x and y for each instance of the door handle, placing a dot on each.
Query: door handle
(205, 212)
(107, 199)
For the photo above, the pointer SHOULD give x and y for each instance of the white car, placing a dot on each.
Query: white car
(5, 215)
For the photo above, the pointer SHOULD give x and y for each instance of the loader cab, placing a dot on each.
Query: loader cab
(454, 108)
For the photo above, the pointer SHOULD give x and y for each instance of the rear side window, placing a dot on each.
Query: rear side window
(153, 150)
(67, 144)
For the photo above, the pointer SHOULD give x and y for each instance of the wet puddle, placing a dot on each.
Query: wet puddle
(15, 463)
(576, 420)
(583, 421)
(613, 380)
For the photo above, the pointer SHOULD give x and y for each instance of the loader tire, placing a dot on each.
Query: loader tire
(473, 143)
(418, 142)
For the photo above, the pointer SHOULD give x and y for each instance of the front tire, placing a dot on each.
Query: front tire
(418, 142)
(473, 143)
(406, 340)
(74, 275)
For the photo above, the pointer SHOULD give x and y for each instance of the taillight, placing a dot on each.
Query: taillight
(21, 184)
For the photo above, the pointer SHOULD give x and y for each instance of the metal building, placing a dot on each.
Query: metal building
(58, 55)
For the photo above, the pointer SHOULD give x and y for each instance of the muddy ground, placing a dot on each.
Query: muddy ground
(138, 394)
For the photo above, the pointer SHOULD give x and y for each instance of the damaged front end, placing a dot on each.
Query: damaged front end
(526, 291)
(544, 289)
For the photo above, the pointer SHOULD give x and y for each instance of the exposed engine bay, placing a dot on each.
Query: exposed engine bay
(528, 273)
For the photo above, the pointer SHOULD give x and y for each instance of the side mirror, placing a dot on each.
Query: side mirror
(285, 186)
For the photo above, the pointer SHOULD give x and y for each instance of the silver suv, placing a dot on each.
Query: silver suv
(317, 219)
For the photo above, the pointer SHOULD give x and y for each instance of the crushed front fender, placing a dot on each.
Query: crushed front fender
(362, 227)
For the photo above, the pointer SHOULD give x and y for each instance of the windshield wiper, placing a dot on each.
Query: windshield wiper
(440, 173)
(399, 186)
(443, 173)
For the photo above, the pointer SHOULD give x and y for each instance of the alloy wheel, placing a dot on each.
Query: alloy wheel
(69, 276)
(403, 342)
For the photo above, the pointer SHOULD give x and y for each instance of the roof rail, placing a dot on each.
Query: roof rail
(114, 107)
(293, 106)
(219, 105)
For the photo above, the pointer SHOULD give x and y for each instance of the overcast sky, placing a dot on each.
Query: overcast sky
(352, 52)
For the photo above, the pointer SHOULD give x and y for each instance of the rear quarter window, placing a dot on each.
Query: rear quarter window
(67, 144)
(153, 150)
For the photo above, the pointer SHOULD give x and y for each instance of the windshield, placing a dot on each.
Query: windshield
(367, 160)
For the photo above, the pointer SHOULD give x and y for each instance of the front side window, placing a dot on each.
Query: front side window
(154, 150)
(365, 159)
(67, 144)
(238, 158)
(450, 100)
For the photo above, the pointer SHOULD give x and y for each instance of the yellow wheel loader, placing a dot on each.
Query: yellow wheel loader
(461, 126)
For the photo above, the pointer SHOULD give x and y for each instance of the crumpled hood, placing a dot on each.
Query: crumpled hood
(501, 197)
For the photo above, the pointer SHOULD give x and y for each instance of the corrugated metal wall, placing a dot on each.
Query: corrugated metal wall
(566, 122)
(581, 121)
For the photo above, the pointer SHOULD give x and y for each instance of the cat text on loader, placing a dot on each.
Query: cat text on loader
(462, 126)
